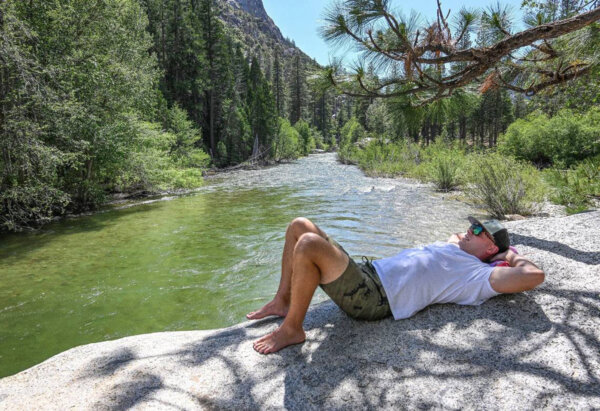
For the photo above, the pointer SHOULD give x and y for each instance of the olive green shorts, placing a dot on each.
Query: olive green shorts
(358, 291)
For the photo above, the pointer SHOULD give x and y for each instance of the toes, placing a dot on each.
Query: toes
(262, 349)
(263, 345)
(261, 339)
(260, 345)
(255, 315)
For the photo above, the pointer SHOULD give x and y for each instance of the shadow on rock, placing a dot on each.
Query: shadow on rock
(224, 347)
(109, 364)
(369, 363)
(126, 395)
(586, 257)
(373, 364)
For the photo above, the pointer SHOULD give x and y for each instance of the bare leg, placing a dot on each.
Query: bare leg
(281, 302)
(315, 261)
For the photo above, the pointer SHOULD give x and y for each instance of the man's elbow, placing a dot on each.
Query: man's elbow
(537, 275)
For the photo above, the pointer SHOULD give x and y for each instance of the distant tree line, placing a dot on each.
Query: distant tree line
(409, 82)
(104, 96)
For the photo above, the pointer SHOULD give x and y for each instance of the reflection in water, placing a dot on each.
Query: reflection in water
(199, 261)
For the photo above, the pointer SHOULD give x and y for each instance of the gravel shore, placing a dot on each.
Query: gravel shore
(538, 349)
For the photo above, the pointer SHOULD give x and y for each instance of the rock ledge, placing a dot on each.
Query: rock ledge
(539, 349)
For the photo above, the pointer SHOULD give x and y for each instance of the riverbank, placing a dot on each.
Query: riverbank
(499, 182)
(537, 349)
(128, 199)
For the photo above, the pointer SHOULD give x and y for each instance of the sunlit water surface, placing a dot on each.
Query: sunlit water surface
(198, 261)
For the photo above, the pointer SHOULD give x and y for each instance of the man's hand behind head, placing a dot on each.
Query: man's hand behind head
(501, 256)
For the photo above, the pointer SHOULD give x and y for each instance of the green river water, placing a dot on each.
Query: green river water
(197, 261)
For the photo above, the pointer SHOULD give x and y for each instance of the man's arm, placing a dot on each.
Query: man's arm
(522, 275)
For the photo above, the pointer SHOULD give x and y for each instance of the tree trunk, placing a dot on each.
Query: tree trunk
(212, 78)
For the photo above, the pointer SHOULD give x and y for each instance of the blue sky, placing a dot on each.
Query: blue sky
(299, 19)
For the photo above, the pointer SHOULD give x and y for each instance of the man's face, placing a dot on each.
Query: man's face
(481, 246)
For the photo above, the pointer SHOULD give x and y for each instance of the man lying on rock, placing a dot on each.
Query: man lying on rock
(458, 271)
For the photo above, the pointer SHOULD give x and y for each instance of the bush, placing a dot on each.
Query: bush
(178, 178)
(562, 140)
(575, 188)
(504, 185)
(22, 206)
(351, 132)
(160, 161)
(286, 142)
(378, 159)
(445, 172)
(442, 164)
(306, 139)
(319, 140)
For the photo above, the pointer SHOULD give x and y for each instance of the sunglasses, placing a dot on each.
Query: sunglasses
(476, 229)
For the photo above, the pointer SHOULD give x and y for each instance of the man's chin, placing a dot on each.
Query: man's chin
(468, 251)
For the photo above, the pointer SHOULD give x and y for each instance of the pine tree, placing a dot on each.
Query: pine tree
(279, 90)
(235, 131)
(261, 106)
(298, 89)
(176, 27)
(217, 63)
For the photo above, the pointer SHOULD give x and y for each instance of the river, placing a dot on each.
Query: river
(196, 261)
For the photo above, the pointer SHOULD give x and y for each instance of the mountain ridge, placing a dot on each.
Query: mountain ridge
(257, 31)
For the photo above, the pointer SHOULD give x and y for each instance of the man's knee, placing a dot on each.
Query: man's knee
(308, 243)
(299, 226)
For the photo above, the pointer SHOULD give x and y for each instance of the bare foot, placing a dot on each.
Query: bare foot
(275, 307)
(278, 339)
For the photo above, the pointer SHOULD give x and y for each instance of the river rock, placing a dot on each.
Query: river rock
(538, 349)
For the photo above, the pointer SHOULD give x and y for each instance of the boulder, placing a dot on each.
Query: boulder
(538, 349)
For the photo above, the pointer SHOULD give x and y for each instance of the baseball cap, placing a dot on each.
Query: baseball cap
(496, 230)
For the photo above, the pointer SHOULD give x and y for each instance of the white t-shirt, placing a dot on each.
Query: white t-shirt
(433, 274)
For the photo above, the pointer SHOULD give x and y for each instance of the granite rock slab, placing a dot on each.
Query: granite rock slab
(533, 350)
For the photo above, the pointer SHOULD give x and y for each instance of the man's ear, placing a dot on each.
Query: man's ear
(493, 250)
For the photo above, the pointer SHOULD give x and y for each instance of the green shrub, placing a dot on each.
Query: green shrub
(504, 185)
(378, 159)
(575, 188)
(178, 178)
(319, 140)
(352, 132)
(161, 161)
(562, 140)
(21, 206)
(441, 163)
(445, 172)
(306, 139)
(286, 142)
(347, 154)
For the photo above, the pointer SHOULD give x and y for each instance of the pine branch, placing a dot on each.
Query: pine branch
(437, 49)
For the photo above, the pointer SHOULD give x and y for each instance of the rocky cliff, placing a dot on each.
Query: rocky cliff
(253, 7)
(251, 24)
